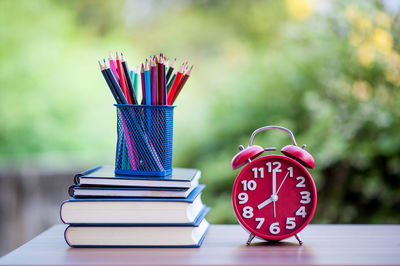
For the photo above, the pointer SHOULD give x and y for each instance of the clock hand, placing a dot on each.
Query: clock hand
(273, 182)
(274, 189)
(274, 210)
(264, 203)
(273, 198)
(282, 183)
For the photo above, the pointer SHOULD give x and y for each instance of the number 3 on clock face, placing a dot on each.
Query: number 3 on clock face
(274, 197)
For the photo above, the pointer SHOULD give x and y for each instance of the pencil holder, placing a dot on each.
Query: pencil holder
(144, 143)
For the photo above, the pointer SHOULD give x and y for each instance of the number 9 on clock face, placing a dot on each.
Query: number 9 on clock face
(274, 197)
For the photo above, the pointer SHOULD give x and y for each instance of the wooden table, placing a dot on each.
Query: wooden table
(225, 245)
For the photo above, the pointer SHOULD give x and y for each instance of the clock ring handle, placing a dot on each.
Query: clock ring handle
(271, 127)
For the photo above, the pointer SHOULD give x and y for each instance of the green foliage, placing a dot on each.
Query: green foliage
(330, 75)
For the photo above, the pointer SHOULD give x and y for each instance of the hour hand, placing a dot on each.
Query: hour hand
(264, 203)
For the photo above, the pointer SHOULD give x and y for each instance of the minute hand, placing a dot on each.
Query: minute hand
(282, 182)
(273, 182)
(274, 189)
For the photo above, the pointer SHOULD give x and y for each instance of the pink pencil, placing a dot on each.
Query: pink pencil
(153, 73)
(113, 67)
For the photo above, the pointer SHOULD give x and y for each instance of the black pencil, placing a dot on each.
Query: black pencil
(115, 84)
(113, 92)
(170, 70)
(128, 80)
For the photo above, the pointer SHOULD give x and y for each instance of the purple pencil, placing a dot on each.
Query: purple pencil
(153, 73)
(143, 86)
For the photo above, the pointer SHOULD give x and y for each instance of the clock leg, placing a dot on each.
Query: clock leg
(297, 236)
(251, 237)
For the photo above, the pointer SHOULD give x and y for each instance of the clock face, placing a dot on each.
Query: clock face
(274, 197)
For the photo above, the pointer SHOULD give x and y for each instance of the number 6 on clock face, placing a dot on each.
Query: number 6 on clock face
(274, 197)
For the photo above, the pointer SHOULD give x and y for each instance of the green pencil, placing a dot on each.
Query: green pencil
(135, 81)
(171, 82)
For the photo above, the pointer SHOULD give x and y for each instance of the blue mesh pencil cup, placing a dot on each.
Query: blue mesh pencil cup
(144, 140)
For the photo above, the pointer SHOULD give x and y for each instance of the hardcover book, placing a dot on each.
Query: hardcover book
(105, 176)
(133, 210)
(127, 192)
(142, 236)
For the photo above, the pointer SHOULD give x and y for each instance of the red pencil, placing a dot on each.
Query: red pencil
(122, 81)
(172, 91)
(181, 84)
(160, 81)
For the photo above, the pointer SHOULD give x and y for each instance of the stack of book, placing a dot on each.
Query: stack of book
(110, 210)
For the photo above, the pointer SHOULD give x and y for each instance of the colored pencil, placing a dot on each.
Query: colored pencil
(170, 70)
(132, 76)
(113, 67)
(143, 85)
(147, 83)
(115, 90)
(122, 80)
(170, 83)
(164, 87)
(160, 83)
(136, 82)
(105, 75)
(153, 73)
(115, 84)
(181, 84)
(172, 91)
(128, 80)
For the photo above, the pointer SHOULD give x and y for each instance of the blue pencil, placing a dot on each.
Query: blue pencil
(147, 83)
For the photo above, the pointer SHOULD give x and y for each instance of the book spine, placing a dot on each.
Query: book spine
(71, 191)
(77, 176)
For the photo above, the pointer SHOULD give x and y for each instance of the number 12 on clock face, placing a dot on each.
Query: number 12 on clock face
(274, 197)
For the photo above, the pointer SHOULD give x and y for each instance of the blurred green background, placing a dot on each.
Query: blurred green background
(327, 70)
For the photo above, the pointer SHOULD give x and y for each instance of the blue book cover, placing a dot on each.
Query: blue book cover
(78, 191)
(138, 236)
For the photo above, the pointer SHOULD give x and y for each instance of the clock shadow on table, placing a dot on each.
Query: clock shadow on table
(273, 244)
(276, 252)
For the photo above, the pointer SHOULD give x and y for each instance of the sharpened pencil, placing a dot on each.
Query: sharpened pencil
(136, 83)
(147, 83)
(122, 80)
(143, 85)
(164, 81)
(181, 84)
(177, 79)
(160, 82)
(170, 83)
(115, 84)
(170, 70)
(128, 80)
(113, 66)
(110, 86)
(153, 74)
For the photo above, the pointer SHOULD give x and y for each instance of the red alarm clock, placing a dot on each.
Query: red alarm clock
(274, 196)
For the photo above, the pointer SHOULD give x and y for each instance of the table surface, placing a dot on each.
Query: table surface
(225, 245)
